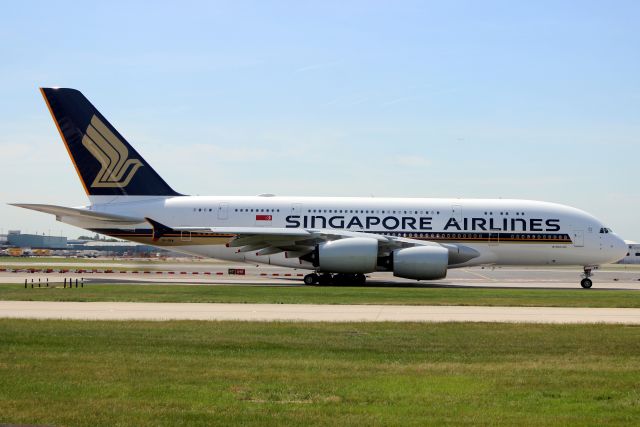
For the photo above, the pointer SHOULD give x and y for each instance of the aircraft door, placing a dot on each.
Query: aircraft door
(578, 238)
(456, 212)
(296, 209)
(494, 238)
(223, 211)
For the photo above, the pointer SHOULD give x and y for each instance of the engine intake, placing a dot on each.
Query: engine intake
(421, 262)
(351, 255)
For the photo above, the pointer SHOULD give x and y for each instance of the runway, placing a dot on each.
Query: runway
(312, 312)
(618, 278)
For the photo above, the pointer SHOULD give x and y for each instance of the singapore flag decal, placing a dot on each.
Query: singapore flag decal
(263, 218)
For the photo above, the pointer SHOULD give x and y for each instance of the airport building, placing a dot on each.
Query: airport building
(18, 243)
(99, 247)
(35, 241)
(633, 254)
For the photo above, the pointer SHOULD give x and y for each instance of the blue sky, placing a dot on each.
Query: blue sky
(536, 100)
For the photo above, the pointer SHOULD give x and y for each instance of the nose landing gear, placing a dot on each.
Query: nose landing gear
(586, 282)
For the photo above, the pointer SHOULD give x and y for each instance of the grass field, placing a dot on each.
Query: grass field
(328, 295)
(84, 373)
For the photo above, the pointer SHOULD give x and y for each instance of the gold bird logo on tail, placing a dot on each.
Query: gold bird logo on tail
(117, 169)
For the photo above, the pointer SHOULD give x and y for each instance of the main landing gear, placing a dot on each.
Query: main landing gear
(335, 279)
(586, 281)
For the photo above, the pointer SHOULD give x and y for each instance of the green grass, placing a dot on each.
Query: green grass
(82, 373)
(412, 295)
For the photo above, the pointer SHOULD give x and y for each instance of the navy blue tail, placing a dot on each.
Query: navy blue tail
(106, 163)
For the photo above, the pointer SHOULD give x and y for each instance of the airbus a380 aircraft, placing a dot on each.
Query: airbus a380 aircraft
(338, 239)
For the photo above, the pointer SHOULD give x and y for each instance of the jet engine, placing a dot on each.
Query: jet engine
(351, 255)
(421, 262)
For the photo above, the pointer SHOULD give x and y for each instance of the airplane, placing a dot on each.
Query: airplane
(338, 239)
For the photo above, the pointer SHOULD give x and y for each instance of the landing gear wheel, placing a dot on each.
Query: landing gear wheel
(339, 279)
(360, 279)
(311, 279)
(325, 279)
(588, 272)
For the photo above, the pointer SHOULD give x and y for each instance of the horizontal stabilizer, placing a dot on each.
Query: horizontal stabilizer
(60, 211)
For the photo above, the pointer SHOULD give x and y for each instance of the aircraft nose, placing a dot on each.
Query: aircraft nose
(619, 248)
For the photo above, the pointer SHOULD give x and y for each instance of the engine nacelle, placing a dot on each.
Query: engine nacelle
(350, 255)
(421, 262)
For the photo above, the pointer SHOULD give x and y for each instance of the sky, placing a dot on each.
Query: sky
(533, 100)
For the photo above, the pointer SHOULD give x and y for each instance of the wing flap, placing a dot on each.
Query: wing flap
(249, 231)
(296, 242)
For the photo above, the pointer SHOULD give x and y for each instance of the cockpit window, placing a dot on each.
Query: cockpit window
(605, 230)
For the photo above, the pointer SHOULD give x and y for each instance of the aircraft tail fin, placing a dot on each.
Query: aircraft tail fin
(106, 163)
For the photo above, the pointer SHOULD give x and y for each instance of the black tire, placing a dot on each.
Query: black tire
(325, 279)
(586, 283)
(361, 279)
(311, 279)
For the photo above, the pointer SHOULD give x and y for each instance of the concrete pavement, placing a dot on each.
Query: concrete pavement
(312, 312)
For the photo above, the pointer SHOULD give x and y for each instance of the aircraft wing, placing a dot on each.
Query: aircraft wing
(84, 214)
(297, 242)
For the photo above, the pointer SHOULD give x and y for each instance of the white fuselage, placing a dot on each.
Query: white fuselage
(504, 232)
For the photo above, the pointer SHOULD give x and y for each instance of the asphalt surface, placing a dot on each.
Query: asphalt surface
(618, 278)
